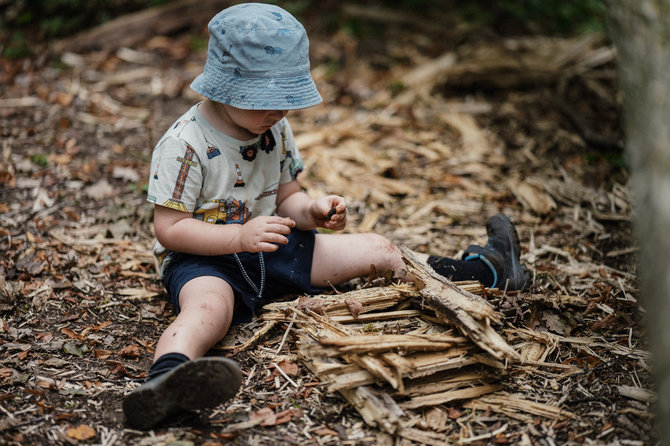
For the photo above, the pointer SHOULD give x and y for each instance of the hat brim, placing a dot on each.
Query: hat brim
(257, 92)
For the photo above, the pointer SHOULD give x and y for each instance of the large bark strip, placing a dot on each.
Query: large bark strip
(471, 313)
(641, 32)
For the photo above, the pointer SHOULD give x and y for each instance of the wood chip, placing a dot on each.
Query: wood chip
(514, 404)
(448, 396)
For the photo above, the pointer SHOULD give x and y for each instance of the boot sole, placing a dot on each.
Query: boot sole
(198, 384)
(517, 277)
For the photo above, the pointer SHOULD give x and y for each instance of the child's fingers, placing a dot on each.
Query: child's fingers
(275, 221)
(278, 228)
(268, 247)
(337, 206)
(269, 242)
(331, 212)
(285, 221)
(277, 238)
(337, 222)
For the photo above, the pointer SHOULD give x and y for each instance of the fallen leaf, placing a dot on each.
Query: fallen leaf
(29, 263)
(288, 367)
(19, 438)
(453, 414)
(501, 439)
(555, 323)
(323, 431)
(436, 418)
(118, 369)
(224, 435)
(265, 416)
(62, 159)
(100, 326)
(75, 349)
(64, 99)
(81, 432)
(286, 415)
(56, 362)
(102, 354)
(44, 337)
(315, 305)
(130, 351)
(46, 384)
(354, 306)
(5, 372)
(72, 334)
(100, 190)
(126, 173)
(604, 322)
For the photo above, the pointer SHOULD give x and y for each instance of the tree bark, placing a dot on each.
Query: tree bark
(641, 31)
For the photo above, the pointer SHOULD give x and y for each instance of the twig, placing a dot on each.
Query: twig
(8, 413)
(259, 334)
(484, 436)
(29, 101)
(252, 372)
(283, 339)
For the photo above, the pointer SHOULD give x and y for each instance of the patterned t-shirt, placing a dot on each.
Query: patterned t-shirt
(196, 168)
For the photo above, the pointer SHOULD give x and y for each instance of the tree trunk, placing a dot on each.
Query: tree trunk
(641, 32)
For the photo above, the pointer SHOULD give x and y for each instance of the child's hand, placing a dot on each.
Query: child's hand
(329, 212)
(262, 234)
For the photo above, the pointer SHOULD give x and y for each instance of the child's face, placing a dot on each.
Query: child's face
(254, 121)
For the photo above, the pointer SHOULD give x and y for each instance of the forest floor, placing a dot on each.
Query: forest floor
(427, 131)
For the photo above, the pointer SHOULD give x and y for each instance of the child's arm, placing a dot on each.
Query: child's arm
(179, 231)
(292, 202)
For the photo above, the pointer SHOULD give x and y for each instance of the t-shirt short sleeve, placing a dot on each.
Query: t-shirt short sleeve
(176, 175)
(292, 164)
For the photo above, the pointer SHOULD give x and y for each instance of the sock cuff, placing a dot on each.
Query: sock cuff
(488, 263)
(165, 363)
(174, 356)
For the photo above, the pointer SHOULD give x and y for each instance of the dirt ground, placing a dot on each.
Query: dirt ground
(426, 130)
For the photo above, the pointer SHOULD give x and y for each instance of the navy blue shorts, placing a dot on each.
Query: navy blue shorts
(287, 271)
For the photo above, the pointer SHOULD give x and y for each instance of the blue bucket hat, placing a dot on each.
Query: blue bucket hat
(257, 59)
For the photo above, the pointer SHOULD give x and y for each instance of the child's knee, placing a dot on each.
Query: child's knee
(382, 244)
(215, 304)
(214, 298)
(384, 250)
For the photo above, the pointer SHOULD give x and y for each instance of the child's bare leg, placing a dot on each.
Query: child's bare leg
(180, 379)
(342, 257)
(206, 313)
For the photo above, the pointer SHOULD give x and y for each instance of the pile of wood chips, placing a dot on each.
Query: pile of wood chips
(392, 349)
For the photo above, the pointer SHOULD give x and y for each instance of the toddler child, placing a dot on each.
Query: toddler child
(238, 229)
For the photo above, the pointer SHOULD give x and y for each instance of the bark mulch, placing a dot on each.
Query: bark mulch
(426, 134)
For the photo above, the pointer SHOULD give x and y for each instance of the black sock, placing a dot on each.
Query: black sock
(166, 363)
(457, 270)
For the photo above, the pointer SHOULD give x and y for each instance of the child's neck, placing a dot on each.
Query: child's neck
(217, 116)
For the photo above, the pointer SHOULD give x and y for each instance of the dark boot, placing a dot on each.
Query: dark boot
(198, 384)
(501, 254)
